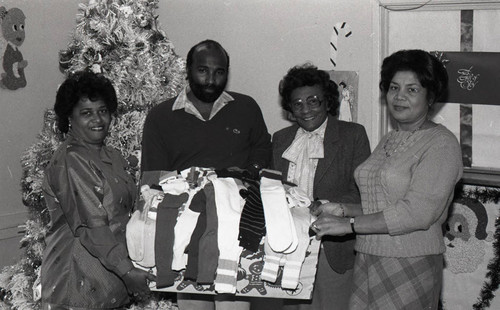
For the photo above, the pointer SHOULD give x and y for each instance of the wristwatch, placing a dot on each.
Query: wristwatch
(351, 221)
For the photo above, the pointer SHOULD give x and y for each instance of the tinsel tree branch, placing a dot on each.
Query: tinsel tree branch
(493, 274)
(122, 40)
(480, 193)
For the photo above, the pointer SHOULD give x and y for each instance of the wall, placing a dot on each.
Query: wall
(47, 31)
(264, 39)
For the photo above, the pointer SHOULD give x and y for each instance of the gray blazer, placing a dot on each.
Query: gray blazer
(346, 146)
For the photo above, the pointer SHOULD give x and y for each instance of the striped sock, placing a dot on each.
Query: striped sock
(270, 269)
(252, 221)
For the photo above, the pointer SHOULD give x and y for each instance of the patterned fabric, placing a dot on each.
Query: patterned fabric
(396, 283)
(413, 187)
(252, 221)
(331, 289)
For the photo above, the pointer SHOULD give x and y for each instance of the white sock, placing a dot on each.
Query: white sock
(229, 206)
(183, 230)
(294, 261)
(271, 264)
(278, 225)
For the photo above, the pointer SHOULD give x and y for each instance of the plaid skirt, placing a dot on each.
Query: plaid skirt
(396, 283)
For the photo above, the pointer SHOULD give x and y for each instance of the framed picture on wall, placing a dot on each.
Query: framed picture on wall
(347, 82)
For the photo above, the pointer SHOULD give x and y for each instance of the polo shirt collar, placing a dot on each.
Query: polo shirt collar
(183, 102)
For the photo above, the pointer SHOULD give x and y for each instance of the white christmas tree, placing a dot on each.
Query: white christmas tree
(122, 40)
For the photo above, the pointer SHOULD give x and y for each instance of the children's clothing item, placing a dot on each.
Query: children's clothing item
(141, 228)
(192, 250)
(229, 207)
(271, 263)
(208, 244)
(291, 262)
(252, 221)
(281, 235)
(164, 239)
(183, 231)
(174, 186)
(294, 260)
(194, 180)
(297, 197)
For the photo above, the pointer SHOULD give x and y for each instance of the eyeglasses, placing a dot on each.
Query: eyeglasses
(311, 101)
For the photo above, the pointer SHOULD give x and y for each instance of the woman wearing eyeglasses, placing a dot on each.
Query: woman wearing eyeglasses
(319, 153)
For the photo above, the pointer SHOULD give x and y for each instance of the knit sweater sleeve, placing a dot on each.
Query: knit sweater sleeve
(433, 178)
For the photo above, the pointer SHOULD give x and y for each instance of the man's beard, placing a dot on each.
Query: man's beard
(206, 93)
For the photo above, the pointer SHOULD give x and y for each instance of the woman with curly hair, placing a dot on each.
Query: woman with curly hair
(319, 154)
(89, 196)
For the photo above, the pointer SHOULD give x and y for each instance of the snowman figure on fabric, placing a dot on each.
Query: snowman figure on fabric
(12, 22)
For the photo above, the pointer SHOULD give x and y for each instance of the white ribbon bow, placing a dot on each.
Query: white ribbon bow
(307, 144)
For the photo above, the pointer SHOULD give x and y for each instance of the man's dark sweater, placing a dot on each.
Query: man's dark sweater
(235, 137)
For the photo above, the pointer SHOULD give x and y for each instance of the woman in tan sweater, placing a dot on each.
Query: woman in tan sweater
(406, 186)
